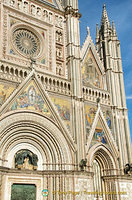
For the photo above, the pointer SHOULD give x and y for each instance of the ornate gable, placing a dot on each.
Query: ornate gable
(101, 133)
(92, 68)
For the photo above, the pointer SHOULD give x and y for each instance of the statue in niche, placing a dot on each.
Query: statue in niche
(50, 17)
(33, 10)
(45, 15)
(59, 53)
(39, 12)
(59, 36)
(19, 4)
(25, 159)
(25, 6)
(128, 169)
(12, 2)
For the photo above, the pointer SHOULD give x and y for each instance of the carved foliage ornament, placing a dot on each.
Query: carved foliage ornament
(26, 42)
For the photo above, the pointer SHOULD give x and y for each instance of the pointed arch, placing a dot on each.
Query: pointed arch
(104, 156)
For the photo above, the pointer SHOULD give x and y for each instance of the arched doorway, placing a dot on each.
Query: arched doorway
(27, 136)
(104, 167)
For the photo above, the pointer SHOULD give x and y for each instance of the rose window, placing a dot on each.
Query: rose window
(26, 42)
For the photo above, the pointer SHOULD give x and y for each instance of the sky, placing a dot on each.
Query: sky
(119, 11)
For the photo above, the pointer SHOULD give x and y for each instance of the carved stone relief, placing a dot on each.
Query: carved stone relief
(59, 21)
(59, 69)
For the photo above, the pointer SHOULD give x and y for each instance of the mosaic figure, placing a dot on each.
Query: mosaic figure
(5, 92)
(99, 136)
(64, 112)
(30, 99)
(108, 119)
(89, 116)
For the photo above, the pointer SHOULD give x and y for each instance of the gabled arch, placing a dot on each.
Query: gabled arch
(108, 134)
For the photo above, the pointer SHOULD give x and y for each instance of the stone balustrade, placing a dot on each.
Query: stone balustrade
(52, 83)
(91, 94)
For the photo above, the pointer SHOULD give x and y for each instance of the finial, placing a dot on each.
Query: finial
(88, 30)
(113, 27)
(104, 6)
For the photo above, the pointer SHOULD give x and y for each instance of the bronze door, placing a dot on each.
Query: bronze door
(23, 192)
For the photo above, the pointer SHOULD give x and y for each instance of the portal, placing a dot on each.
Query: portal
(23, 192)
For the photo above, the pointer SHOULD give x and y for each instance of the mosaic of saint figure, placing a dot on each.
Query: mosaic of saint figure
(108, 119)
(30, 99)
(99, 136)
(89, 116)
(64, 112)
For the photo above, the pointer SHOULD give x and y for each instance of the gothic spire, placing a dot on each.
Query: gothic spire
(105, 19)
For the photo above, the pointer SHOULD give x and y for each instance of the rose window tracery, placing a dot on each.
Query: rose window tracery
(26, 42)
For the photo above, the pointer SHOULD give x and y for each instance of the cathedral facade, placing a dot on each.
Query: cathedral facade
(64, 130)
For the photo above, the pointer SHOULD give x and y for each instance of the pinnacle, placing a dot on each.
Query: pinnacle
(113, 27)
(97, 31)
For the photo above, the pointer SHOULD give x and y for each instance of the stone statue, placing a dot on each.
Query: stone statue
(82, 164)
(23, 155)
(128, 168)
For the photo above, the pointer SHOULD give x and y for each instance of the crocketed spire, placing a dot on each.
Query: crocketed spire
(105, 19)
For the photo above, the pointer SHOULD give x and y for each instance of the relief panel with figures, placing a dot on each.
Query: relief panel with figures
(23, 191)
